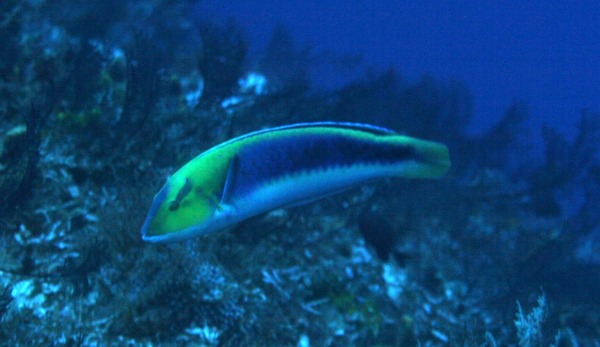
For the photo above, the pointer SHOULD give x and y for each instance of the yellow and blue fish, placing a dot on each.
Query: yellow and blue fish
(284, 166)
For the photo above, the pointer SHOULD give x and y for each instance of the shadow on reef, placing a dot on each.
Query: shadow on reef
(19, 155)
(121, 101)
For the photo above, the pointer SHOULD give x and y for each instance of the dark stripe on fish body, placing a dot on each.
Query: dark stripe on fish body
(269, 160)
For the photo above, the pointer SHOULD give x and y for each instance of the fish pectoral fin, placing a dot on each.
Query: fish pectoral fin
(229, 182)
(225, 210)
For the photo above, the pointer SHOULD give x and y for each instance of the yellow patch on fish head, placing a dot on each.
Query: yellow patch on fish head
(177, 208)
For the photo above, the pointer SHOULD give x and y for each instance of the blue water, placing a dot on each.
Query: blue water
(544, 53)
(101, 101)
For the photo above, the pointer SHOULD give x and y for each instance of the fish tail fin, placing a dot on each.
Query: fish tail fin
(431, 159)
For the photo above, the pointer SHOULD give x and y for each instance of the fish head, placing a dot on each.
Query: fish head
(180, 210)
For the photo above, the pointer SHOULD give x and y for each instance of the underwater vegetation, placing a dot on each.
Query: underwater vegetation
(97, 110)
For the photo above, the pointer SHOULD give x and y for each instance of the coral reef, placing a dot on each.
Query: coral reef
(95, 113)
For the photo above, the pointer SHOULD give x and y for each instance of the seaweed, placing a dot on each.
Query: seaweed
(221, 60)
(566, 164)
(12, 13)
(430, 108)
(5, 299)
(87, 19)
(285, 65)
(120, 101)
(504, 147)
(18, 160)
(78, 270)
(378, 232)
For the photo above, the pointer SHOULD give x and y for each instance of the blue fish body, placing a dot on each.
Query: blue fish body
(284, 166)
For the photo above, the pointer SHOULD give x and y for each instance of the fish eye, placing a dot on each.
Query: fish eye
(174, 205)
(187, 187)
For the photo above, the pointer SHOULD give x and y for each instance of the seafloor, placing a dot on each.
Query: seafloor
(101, 100)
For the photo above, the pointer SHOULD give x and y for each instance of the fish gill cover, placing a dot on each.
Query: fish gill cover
(101, 100)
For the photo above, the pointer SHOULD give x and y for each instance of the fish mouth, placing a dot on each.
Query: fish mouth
(147, 233)
(152, 233)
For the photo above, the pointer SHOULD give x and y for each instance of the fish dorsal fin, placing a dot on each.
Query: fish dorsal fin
(345, 125)
(229, 182)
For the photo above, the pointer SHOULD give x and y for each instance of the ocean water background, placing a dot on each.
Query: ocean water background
(100, 101)
(544, 53)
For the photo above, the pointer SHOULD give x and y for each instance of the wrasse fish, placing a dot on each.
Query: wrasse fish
(284, 166)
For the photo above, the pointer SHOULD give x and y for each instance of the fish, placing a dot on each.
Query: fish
(282, 167)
